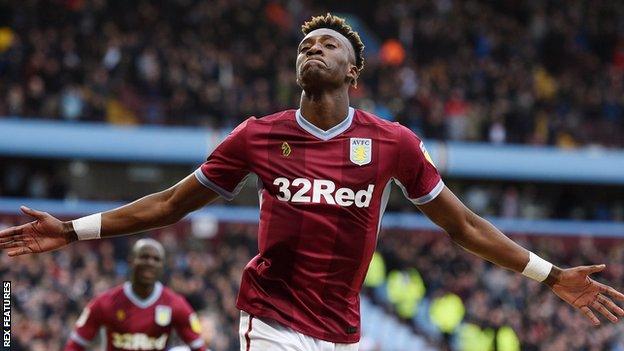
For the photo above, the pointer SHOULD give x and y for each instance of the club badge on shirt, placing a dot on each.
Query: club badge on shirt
(360, 151)
(162, 315)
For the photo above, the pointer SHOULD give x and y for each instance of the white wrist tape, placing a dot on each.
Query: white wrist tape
(88, 227)
(537, 268)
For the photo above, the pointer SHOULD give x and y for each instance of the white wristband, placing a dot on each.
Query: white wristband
(537, 268)
(88, 227)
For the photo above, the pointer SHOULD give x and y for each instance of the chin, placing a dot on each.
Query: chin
(314, 78)
(147, 281)
(311, 74)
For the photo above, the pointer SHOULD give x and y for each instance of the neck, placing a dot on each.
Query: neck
(142, 290)
(325, 109)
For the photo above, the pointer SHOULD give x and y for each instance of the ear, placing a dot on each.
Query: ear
(353, 74)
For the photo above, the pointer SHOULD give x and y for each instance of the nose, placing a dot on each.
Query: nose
(316, 49)
(152, 261)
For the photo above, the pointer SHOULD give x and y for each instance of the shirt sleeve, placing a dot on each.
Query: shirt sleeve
(415, 173)
(226, 168)
(86, 328)
(187, 325)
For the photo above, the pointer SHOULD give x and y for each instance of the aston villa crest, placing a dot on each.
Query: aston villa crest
(361, 150)
(162, 315)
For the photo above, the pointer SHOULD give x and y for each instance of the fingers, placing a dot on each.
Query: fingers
(19, 251)
(586, 311)
(610, 305)
(15, 236)
(13, 244)
(605, 312)
(605, 289)
(7, 244)
(605, 306)
(33, 213)
(10, 232)
(592, 269)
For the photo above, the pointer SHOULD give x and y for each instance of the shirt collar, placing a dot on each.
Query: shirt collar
(148, 301)
(325, 134)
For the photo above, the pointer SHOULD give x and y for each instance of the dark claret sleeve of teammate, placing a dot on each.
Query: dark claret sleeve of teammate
(325, 172)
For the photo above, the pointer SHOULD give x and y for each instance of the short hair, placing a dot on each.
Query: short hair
(148, 242)
(340, 25)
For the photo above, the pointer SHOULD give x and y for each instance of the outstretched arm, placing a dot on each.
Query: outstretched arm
(46, 233)
(480, 237)
(159, 209)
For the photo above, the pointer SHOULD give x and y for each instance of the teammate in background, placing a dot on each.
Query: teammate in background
(141, 313)
(324, 175)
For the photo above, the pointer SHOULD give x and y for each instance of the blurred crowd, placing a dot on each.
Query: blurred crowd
(494, 298)
(528, 72)
(38, 180)
(50, 290)
(534, 72)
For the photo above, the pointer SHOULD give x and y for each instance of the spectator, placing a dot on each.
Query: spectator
(534, 73)
(50, 290)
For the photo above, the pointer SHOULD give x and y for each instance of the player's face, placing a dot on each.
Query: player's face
(325, 59)
(147, 265)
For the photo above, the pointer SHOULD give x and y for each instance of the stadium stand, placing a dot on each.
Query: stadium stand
(529, 72)
(498, 73)
(494, 298)
(50, 290)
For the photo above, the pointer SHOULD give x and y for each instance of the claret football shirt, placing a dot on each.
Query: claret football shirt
(322, 197)
(131, 323)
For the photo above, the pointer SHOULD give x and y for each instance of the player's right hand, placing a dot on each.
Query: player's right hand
(45, 233)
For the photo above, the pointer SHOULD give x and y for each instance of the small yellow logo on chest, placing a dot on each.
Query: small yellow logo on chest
(286, 150)
(121, 315)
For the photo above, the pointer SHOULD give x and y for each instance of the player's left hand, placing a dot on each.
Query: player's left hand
(574, 286)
